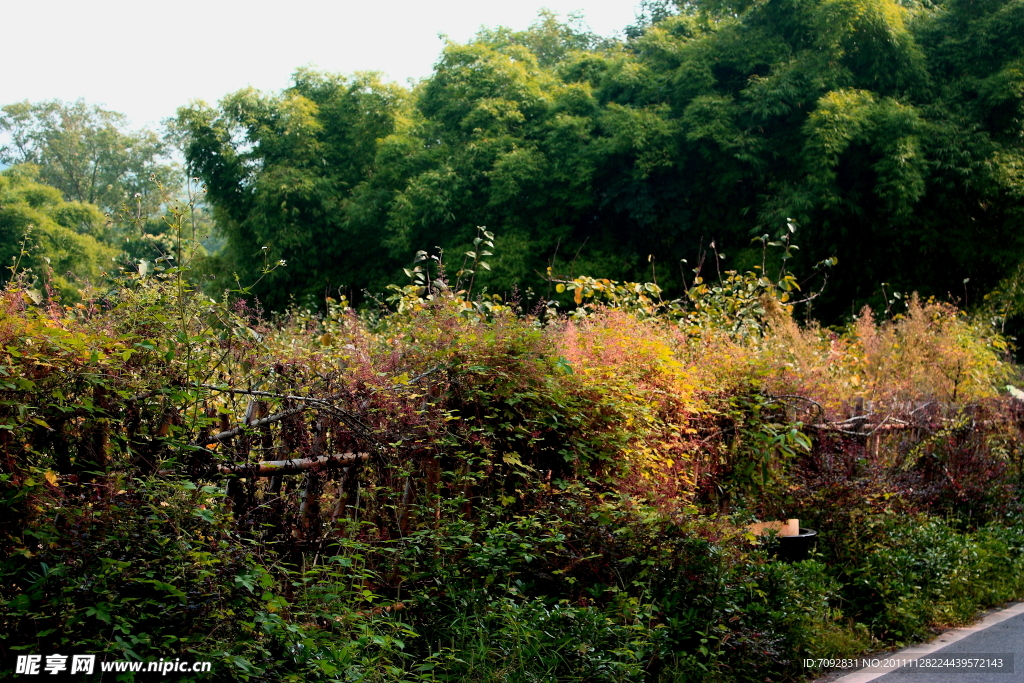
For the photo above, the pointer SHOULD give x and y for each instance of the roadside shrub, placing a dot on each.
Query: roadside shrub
(931, 352)
(521, 498)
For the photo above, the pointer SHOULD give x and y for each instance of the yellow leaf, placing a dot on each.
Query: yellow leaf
(51, 477)
(512, 459)
(578, 296)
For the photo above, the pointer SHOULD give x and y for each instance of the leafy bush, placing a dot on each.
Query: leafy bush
(512, 497)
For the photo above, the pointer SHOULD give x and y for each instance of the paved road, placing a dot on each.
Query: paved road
(999, 633)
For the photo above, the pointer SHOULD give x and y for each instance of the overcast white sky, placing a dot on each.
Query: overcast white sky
(145, 59)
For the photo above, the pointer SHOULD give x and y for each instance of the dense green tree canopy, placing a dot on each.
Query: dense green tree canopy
(282, 173)
(52, 241)
(890, 132)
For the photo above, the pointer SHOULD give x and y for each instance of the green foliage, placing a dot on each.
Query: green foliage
(136, 556)
(891, 130)
(45, 239)
(273, 166)
(87, 153)
(543, 497)
(915, 573)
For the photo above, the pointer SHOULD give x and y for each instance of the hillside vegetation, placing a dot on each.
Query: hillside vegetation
(758, 260)
(478, 492)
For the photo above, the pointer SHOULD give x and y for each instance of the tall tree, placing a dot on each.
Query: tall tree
(864, 121)
(88, 153)
(889, 130)
(279, 170)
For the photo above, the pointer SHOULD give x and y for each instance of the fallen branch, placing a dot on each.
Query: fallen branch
(417, 378)
(322, 403)
(269, 468)
(838, 428)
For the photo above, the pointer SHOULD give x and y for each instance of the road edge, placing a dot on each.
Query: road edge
(946, 638)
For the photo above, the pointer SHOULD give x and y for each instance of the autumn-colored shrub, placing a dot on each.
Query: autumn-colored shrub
(931, 353)
(368, 496)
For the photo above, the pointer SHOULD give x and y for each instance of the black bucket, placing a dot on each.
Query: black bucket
(795, 548)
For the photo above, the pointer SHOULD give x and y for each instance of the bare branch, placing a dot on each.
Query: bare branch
(277, 417)
(269, 468)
